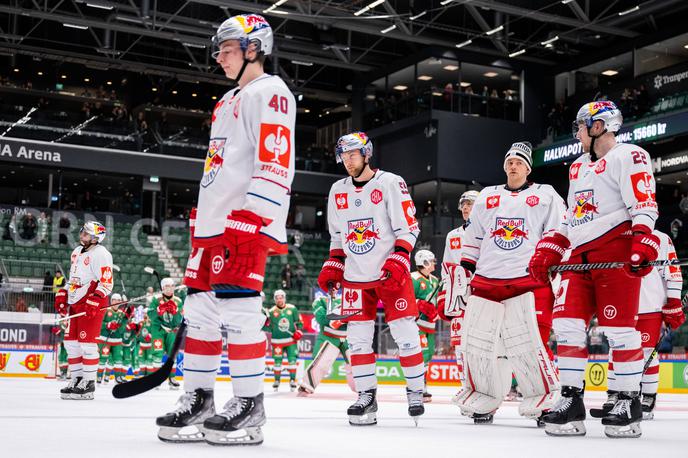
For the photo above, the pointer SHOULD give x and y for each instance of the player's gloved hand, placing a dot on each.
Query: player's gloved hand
(441, 301)
(548, 252)
(396, 270)
(93, 303)
(112, 325)
(147, 339)
(172, 307)
(297, 334)
(61, 302)
(56, 330)
(332, 272)
(131, 326)
(336, 324)
(672, 313)
(644, 248)
(427, 308)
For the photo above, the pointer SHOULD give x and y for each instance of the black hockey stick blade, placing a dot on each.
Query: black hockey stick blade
(148, 382)
(335, 316)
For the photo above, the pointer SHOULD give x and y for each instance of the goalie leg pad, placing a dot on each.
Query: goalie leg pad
(537, 379)
(321, 366)
(486, 384)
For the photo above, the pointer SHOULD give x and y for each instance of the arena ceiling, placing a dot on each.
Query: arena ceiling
(322, 44)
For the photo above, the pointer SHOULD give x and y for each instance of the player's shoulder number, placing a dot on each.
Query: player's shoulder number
(279, 103)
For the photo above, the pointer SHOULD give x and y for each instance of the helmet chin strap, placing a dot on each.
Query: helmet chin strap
(243, 66)
(593, 155)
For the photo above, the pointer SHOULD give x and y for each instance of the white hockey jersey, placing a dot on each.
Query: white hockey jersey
(662, 282)
(250, 161)
(89, 271)
(604, 194)
(505, 226)
(452, 250)
(367, 222)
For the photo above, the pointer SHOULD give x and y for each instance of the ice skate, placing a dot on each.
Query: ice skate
(84, 390)
(415, 403)
(292, 385)
(275, 385)
(120, 379)
(607, 406)
(173, 384)
(624, 418)
(239, 424)
(192, 410)
(363, 412)
(648, 405)
(483, 418)
(66, 392)
(568, 414)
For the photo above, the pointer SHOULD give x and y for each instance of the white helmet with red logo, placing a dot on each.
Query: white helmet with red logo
(94, 229)
(247, 28)
(354, 141)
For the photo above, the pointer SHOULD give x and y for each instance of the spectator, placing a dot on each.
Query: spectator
(29, 227)
(683, 204)
(675, 228)
(286, 276)
(43, 228)
(149, 295)
(469, 90)
(596, 345)
(20, 305)
(47, 281)
(58, 281)
(300, 277)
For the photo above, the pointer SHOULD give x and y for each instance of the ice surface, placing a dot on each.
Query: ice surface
(35, 422)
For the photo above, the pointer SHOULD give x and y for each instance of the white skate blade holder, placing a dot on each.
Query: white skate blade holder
(621, 432)
(245, 436)
(574, 428)
(648, 416)
(191, 433)
(363, 420)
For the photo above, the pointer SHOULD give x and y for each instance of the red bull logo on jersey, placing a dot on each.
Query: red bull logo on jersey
(213, 160)
(509, 233)
(362, 235)
(584, 208)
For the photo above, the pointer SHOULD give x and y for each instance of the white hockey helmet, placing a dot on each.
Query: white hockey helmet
(165, 282)
(94, 229)
(603, 110)
(351, 142)
(423, 258)
(468, 196)
(522, 151)
(115, 297)
(247, 28)
(279, 292)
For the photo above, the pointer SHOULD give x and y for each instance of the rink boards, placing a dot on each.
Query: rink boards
(39, 361)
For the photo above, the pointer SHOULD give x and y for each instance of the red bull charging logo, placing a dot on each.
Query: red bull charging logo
(213, 161)
(584, 208)
(362, 235)
(509, 233)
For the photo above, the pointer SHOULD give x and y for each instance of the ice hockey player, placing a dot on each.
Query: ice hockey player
(166, 314)
(425, 286)
(62, 363)
(330, 343)
(508, 313)
(284, 324)
(660, 301)
(373, 230)
(130, 347)
(451, 260)
(88, 288)
(110, 342)
(611, 215)
(243, 205)
(145, 342)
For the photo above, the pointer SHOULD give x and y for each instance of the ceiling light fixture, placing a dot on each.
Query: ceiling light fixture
(451, 68)
(369, 7)
(465, 43)
(425, 77)
(629, 11)
(550, 41)
(389, 29)
(99, 6)
(517, 53)
(301, 62)
(495, 30)
(75, 26)
(400, 87)
(490, 74)
(610, 72)
(413, 18)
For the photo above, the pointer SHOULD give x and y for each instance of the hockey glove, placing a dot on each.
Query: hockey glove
(297, 335)
(336, 324)
(112, 325)
(396, 270)
(93, 303)
(644, 248)
(61, 302)
(56, 330)
(548, 253)
(147, 338)
(672, 313)
(131, 326)
(428, 309)
(171, 307)
(332, 272)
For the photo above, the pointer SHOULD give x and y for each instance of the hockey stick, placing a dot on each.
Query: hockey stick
(150, 381)
(616, 265)
(331, 315)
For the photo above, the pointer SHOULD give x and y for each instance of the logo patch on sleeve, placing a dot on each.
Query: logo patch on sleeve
(274, 144)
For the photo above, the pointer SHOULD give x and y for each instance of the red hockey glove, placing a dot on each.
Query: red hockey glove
(441, 300)
(396, 270)
(56, 330)
(61, 302)
(172, 307)
(297, 335)
(428, 309)
(672, 313)
(244, 252)
(332, 272)
(93, 304)
(131, 326)
(644, 248)
(336, 324)
(548, 253)
(112, 325)
(147, 339)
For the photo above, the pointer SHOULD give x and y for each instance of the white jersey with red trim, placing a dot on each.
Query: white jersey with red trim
(606, 193)
(367, 222)
(250, 161)
(505, 226)
(89, 271)
(452, 249)
(661, 283)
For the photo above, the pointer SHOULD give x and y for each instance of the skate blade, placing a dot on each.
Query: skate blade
(621, 432)
(363, 420)
(65, 396)
(648, 416)
(179, 435)
(483, 421)
(82, 397)
(574, 428)
(174, 388)
(415, 420)
(246, 436)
